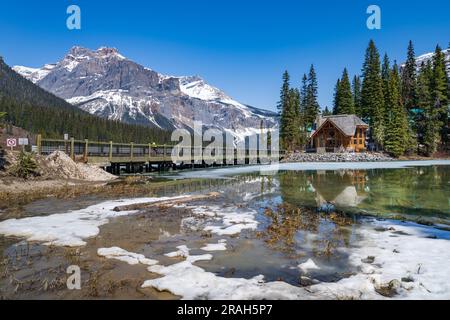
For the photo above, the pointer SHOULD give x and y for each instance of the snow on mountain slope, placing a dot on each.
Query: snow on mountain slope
(117, 105)
(34, 74)
(196, 87)
(105, 83)
(424, 58)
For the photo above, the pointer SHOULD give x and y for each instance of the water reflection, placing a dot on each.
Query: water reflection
(421, 191)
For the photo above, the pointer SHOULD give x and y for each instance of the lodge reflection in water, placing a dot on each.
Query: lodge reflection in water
(418, 191)
(343, 188)
(349, 188)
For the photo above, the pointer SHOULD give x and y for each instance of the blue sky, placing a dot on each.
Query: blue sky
(241, 47)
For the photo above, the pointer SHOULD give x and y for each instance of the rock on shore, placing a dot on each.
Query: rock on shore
(337, 157)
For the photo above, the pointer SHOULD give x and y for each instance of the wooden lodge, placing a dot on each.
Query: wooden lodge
(339, 133)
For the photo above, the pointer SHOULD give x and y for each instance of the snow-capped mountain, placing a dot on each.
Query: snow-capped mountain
(423, 59)
(105, 83)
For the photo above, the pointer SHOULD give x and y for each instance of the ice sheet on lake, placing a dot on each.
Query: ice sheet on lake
(70, 228)
(303, 166)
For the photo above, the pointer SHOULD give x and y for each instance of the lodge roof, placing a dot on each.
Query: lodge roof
(347, 123)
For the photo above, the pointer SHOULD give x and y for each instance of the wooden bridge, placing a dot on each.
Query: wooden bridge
(137, 158)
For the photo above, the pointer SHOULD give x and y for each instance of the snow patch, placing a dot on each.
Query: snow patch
(192, 282)
(410, 259)
(183, 251)
(226, 220)
(70, 228)
(220, 246)
(125, 256)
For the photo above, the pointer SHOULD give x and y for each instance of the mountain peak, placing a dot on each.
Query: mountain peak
(105, 83)
(81, 53)
(107, 52)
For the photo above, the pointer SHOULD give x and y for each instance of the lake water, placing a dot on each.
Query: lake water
(343, 231)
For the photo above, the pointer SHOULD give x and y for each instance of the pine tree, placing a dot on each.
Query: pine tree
(439, 91)
(356, 90)
(409, 79)
(283, 105)
(372, 93)
(386, 79)
(336, 97)
(303, 93)
(284, 92)
(326, 112)
(428, 121)
(396, 121)
(344, 98)
(312, 107)
(293, 137)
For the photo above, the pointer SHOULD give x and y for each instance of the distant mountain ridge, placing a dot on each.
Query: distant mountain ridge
(105, 83)
(38, 111)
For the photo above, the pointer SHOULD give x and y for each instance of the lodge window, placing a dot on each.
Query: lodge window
(360, 141)
(355, 141)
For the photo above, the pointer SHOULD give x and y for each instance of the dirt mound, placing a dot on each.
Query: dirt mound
(60, 165)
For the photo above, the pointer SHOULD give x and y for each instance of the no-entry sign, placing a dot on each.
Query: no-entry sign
(11, 143)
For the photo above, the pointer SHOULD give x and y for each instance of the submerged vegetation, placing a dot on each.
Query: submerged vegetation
(288, 222)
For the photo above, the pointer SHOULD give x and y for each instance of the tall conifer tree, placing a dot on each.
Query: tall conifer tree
(312, 107)
(345, 98)
(396, 133)
(372, 93)
(428, 124)
(336, 97)
(356, 91)
(409, 79)
(439, 91)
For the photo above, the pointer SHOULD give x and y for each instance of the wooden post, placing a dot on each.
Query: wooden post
(110, 150)
(131, 151)
(86, 149)
(164, 152)
(39, 143)
(72, 148)
(149, 151)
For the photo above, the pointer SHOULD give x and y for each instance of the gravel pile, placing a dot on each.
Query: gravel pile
(338, 157)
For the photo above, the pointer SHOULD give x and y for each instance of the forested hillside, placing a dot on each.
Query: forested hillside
(38, 111)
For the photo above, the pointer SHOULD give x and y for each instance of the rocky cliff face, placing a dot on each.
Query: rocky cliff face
(105, 83)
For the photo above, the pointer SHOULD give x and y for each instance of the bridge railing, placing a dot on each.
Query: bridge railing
(108, 151)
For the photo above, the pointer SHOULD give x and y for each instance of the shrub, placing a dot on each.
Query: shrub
(26, 166)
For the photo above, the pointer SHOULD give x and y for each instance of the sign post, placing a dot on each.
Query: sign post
(11, 143)
(66, 138)
(23, 142)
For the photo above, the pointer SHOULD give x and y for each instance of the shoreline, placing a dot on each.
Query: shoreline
(13, 189)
